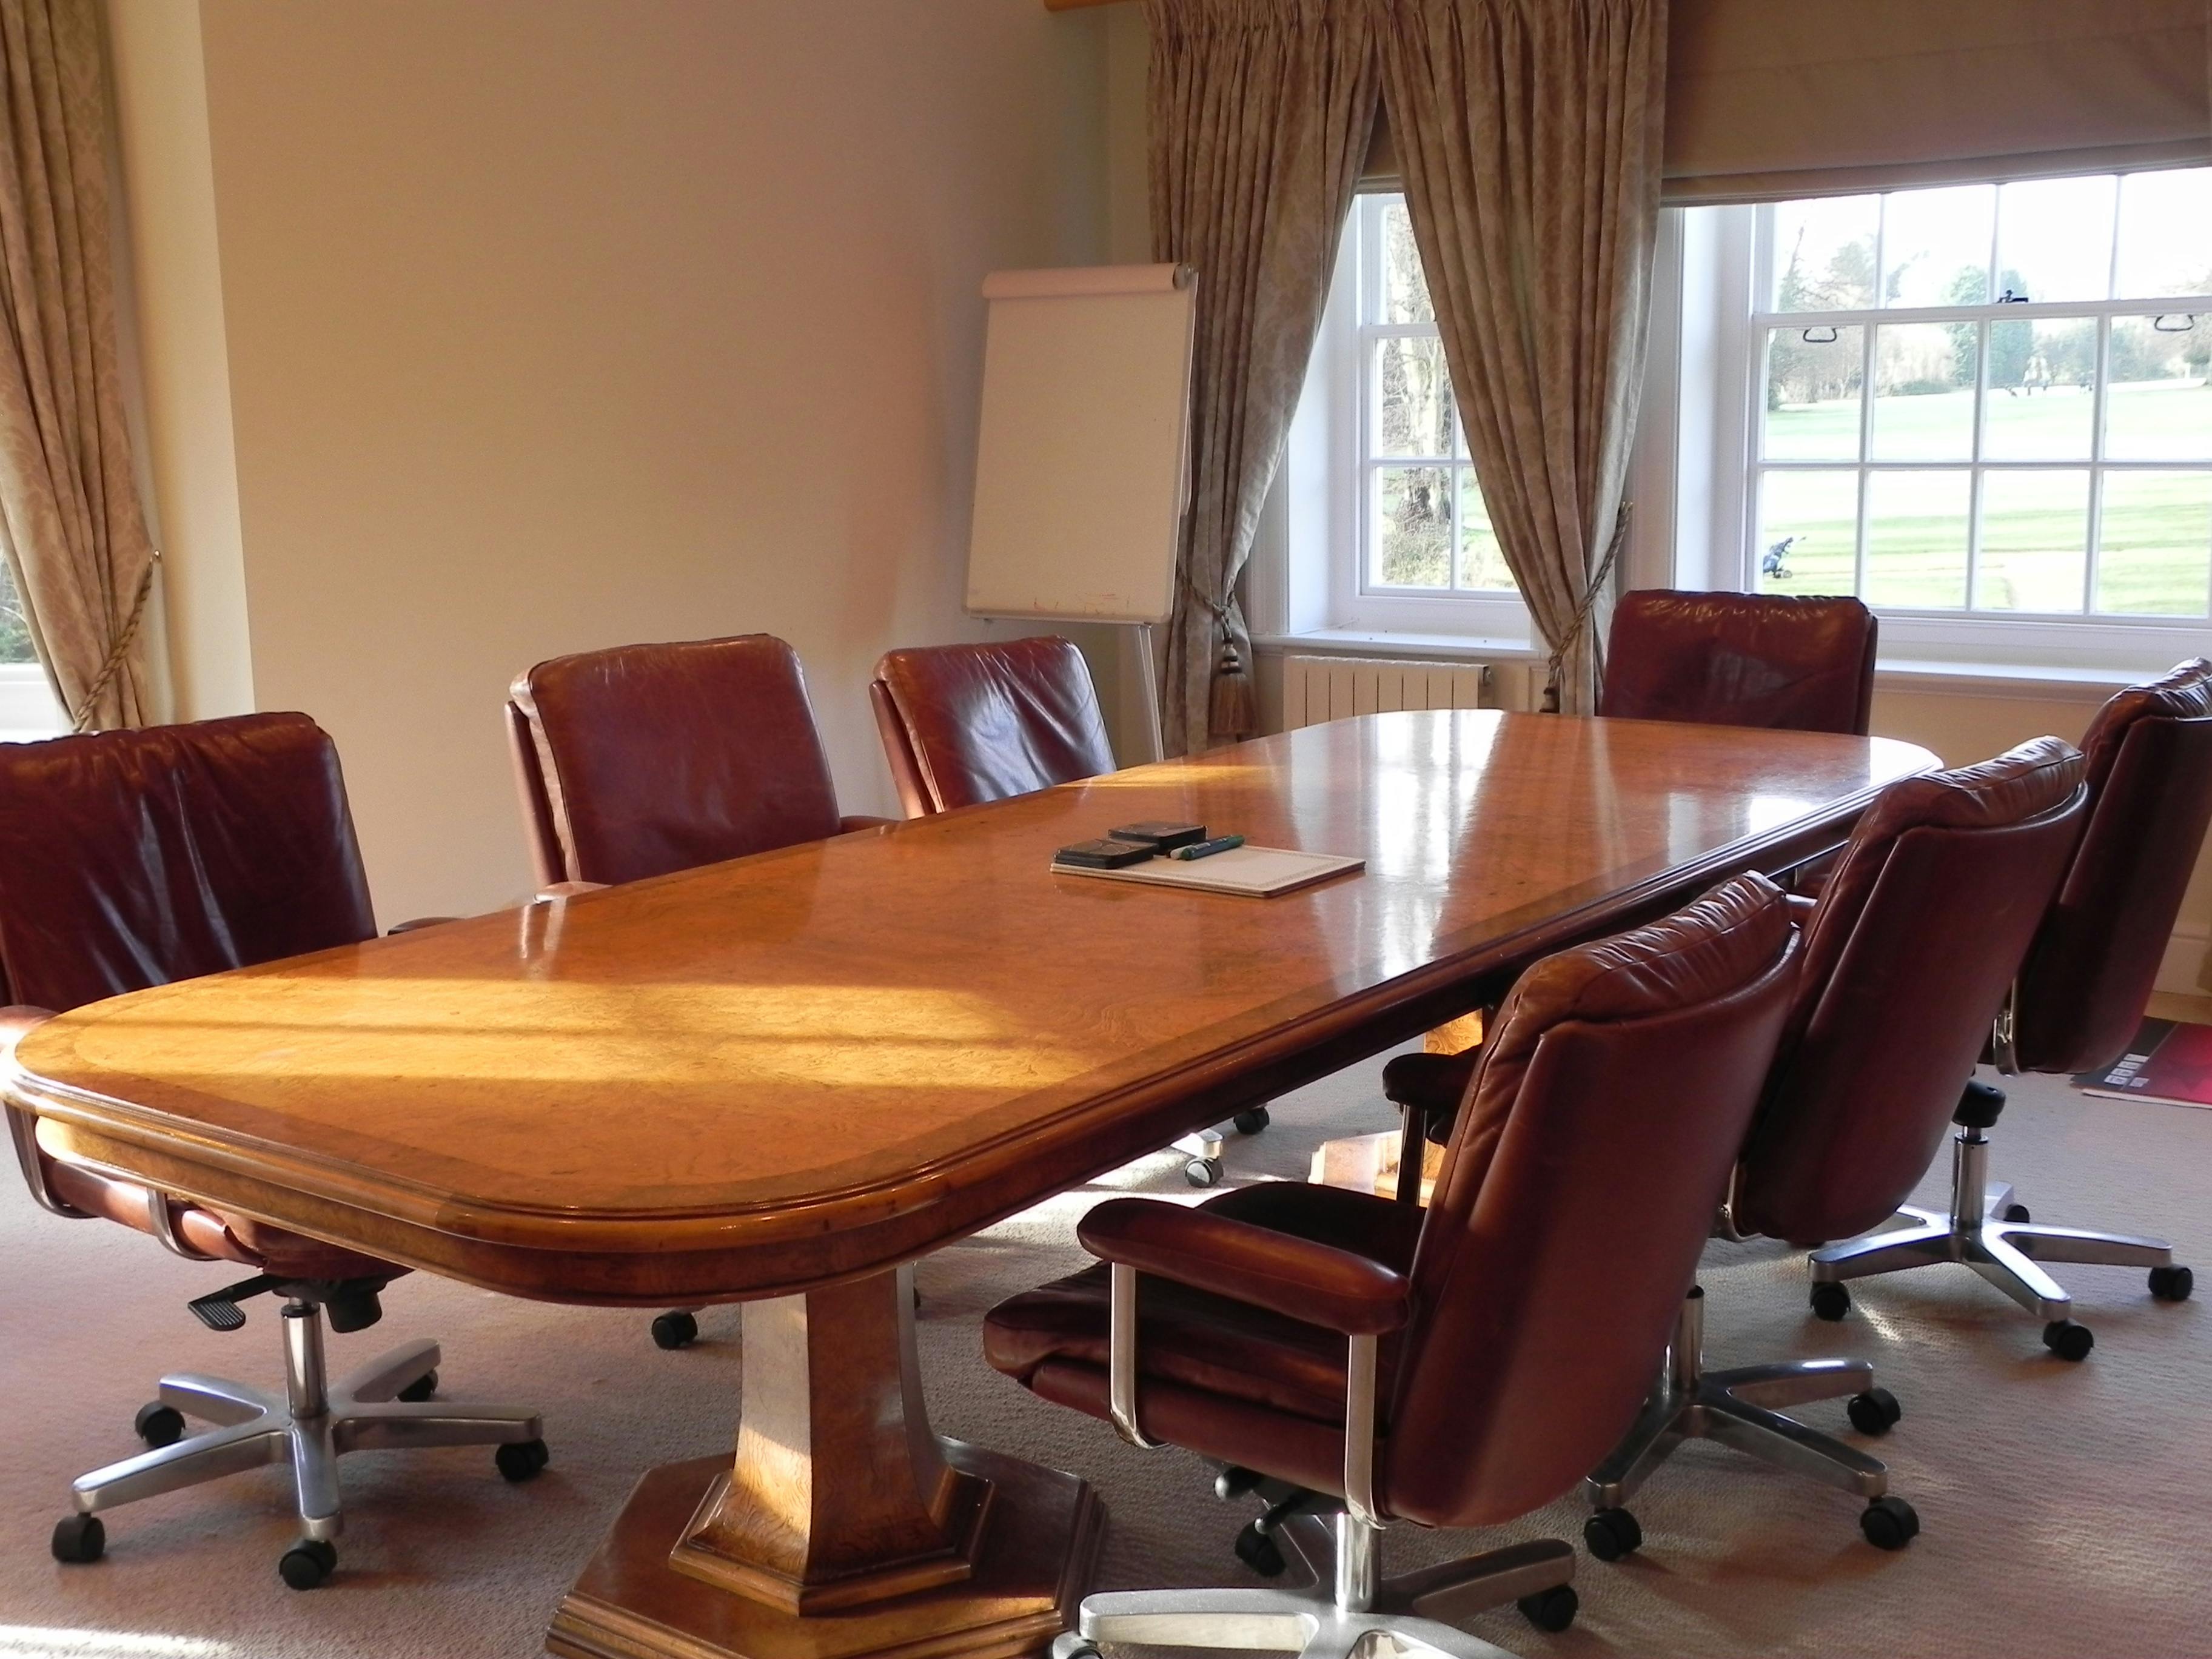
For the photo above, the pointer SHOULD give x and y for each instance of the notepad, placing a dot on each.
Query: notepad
(1248, 871)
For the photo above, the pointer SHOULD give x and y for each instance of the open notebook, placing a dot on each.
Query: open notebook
(1251, 872)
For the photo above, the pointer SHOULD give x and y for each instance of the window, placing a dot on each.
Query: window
(1423, 528)
(1985, 405)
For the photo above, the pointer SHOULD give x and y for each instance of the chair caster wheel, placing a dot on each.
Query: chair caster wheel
(2172, 1284)
(674, 1330)
(307, 1564)
(79, 1538)
(1251, 1122)
(159, 1425)
(1260, 1553)
(2068, 1340)
(1069, 1645)
(1875, 1411)
(1889, 1523)
(1612, 1534)
(1831, 1302)
(1552, 1610)
(1203, 1172)
(522, 1460)
(2016, 1213)
(420, 1389)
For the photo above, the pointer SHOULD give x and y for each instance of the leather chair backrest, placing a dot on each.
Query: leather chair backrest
(968, 723)
(1908, 955)
(1577, 1190)
(2095, 959)
(136, 858)
(1767, 660)
(645, 759)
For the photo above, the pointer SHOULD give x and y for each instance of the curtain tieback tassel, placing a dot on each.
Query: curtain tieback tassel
(1234, 712)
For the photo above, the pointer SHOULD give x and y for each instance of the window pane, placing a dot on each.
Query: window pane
(1405, 293)
(1824, 253)
(1813, 394)
(2166, 234)
(2035, 541)
(2159, 407)
(1808, 532)
(1935, 245)
(1412, 413)
(1481, 565)
(1411, 541)
(2155, 543)
(2042, 402)
(1923, 390)
(1916, 540)
(2055, 238)
(14, 629)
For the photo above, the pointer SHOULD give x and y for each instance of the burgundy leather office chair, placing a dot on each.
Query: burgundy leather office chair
(1354, 1357)
(965, 724)
(134, 858)
(1907, 954)
(1769, 660)
(1773, 661)
(641, 760)
(962, 724)
(645, 759)
(2076, 1004)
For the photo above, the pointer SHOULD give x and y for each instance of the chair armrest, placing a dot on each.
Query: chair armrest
(418, 922)
(1294, 1277)
(851, 822)
(563, 890)
(1801, 908)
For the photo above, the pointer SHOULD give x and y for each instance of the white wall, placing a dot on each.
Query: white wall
(557, 324)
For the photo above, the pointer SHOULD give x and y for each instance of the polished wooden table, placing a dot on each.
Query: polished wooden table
(777, 1080)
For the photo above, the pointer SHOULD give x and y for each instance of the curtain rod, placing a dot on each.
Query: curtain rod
(1077, 5)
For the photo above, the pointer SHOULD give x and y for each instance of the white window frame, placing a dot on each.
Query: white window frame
(1741, 269)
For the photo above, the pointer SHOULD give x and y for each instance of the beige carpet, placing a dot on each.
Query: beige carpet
(2062, 1504)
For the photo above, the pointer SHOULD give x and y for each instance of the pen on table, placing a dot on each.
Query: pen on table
(1204, 849)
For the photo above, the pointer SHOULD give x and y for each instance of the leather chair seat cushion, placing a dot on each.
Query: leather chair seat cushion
(1234, 1353)
(252, 1245)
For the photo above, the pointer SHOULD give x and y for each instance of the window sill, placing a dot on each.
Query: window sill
(1437, 647)
(2016, 680)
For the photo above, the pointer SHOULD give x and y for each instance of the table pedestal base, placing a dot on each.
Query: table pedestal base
(1031, 1566)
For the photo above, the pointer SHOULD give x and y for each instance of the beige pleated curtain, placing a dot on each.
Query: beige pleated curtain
(1529, 136)
(1260, 115)
(70, 523)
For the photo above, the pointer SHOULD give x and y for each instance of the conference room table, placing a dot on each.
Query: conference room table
(781, 1080)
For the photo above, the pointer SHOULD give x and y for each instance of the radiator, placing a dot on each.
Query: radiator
(1317, 689)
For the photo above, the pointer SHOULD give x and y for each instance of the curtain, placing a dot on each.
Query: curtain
(1529, 135)
(1260, 116)
(70, 523)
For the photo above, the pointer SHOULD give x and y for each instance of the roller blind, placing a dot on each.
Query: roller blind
(1773, 99)
(1768, 100)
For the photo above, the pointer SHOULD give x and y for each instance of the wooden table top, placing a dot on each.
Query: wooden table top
(796, 1067)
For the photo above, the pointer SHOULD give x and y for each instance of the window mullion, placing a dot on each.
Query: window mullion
(2101, 398)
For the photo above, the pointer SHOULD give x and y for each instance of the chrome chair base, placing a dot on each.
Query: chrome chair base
(1737, 1408)
(1359, 1614)
(310, 1426)
(1976, 1234)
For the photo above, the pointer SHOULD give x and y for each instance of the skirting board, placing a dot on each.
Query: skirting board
(2183, 963)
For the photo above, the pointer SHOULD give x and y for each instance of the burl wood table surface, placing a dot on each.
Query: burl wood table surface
(778, 1080)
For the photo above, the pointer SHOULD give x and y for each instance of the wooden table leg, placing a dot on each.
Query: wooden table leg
(844, 1528)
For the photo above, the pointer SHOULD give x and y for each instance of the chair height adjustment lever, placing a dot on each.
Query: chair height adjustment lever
(219, 1311)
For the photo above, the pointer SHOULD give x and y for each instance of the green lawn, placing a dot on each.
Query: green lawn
(2157, 527)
